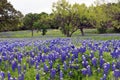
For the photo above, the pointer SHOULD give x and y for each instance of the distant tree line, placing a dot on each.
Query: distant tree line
(65, 16)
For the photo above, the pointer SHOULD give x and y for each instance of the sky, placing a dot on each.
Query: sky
(38, 6)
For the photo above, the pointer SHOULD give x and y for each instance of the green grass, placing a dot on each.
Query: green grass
(89, 34)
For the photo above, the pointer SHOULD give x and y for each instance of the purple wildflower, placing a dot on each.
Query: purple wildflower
(116, 73)
(84, 71)
(9, 75)
(89, 71)
(52, 73)
(14, 65)
(61, 75)
(94, 61)
(102, 61)
(65, 66)
(46, 68)
(37, 76)
(19, 69)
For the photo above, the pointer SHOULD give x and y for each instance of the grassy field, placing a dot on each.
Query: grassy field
(48, 57)
(89, 34)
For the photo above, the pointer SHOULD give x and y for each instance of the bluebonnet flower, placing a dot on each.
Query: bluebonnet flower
(100, 52)
(9, 75)
(19, 69)
(94, 61)
(4, 53)
(2, 74)
(72, 58)
(14, 65)
(51, 64)
(63, 57)
(5, 58)
(104, 77)
(73, 46)
(118, 64)
(19, 77)
(115, 53)
(116, 73)
(31, 62)
(50, 57)
(0, 59)
(46, 68)
(11, 78)
(102, 61)
(75, 52)
(84, 71)
(83, 58)
(70, 73)
(22, 76)
(52, 73)
(36, 64)
(32, 55)
(65, 66)
(89, 71)
(19, 57)
(37, 76)
(91, 55)
(56, 56)
(106, 67)
(61, 75)
(43, 58)
(85, 63)
(113, 66)
(82, 50)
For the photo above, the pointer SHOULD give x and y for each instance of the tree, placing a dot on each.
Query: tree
(82, 17)
(62, 11)
(43, 23)
(113, 12)
(107, 15)
(70, 18)
(29, 20)
(9, 17)
(100, 17)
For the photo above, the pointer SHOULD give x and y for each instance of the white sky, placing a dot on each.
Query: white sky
(38, 6)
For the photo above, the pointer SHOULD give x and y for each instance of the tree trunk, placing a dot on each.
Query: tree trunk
(68, 34)
(81, 29)
(32, 32)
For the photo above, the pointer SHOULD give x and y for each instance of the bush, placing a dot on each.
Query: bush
(103, 27)
(117, 30)
(101, 30)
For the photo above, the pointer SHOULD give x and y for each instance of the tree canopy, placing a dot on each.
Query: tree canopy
(43, 23)
(9, 17)
(29, 21)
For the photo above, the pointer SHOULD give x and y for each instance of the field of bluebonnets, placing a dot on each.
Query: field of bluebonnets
(59, 59)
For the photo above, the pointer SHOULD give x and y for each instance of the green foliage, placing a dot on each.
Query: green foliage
(29, 20)
(10, 19)
(64, 16)
(103, 27)
(43, 23)
(70, 18)
(110, 13)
